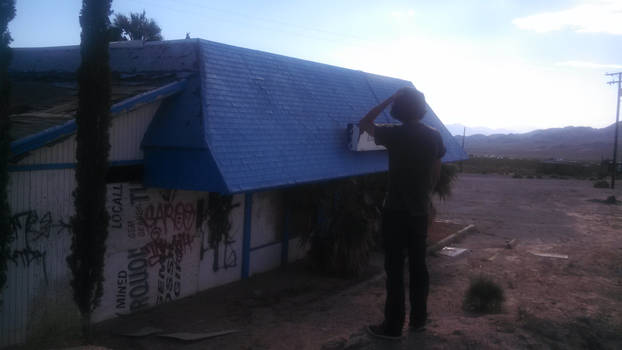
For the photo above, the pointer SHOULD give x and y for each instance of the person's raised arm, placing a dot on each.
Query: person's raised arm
(367, 122)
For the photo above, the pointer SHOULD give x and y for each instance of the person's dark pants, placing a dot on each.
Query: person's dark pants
(404, 233)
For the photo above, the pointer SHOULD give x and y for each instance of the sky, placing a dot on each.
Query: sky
(511, 64)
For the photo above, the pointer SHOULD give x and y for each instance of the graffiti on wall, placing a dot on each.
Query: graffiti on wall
(161, 228)
(213, 241)
(30, 231)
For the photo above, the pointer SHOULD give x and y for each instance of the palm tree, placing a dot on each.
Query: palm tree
(136, 27)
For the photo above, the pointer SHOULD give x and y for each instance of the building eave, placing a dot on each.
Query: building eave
(40, 139)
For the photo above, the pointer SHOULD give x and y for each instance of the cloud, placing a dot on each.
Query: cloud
(475, 85)
(597, 16)
(588, 65)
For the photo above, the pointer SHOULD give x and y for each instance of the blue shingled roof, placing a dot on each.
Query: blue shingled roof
(247, 120)
(271, 120)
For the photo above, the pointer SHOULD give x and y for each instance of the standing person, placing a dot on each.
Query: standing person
(415, 152)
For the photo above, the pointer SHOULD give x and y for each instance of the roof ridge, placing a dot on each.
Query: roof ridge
(199, 50)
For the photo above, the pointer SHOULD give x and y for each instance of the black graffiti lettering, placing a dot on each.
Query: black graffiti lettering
(137, 264)
(138, 278)
(231, 256)
(138, 194)
(139, 303)
(139, 290)
(27, 256)
(117, 207)
(177, 288)
(121, 289)
(27, 228)
(215, 240)
(135, 253)
(33, 227)
(131, 229)
(169, 283)
(161, 286)
(168, 195)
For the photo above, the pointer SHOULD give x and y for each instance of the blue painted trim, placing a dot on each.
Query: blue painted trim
(149, 96)
(55, 166)
(246, 240)
(265, 245)
(52, 134)
(37, 167)
(285, 239)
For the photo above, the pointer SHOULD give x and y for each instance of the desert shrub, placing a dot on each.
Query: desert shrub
(339, 219)
(347, 213)
(448, 175)
(483, 296)
(534, 167)
(601, 184)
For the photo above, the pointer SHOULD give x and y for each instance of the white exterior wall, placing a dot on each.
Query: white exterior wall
(154, 248)
(267, 221)
(157, 249)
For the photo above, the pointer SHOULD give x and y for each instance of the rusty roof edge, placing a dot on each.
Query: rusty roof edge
(42, 138)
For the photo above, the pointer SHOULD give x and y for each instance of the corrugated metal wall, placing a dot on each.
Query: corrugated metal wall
(41, 205)
(126, 134)
(149, 228)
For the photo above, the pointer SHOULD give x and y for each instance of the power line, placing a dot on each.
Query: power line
(269, 25)
(617, 76)
(280, 22)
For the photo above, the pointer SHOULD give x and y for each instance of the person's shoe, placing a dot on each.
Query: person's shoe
(417, 326)
(382, 332)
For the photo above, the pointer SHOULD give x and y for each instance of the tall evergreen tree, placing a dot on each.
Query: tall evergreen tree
(90, 223)
(7, 12)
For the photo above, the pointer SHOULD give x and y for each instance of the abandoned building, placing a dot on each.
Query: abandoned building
(189, 118)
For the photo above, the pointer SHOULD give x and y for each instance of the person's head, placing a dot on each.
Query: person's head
(409, 106)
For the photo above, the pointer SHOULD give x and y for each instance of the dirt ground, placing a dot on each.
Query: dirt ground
(551, 303)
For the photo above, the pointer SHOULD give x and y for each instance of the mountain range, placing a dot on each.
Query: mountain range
(458, 129)
(569, 143)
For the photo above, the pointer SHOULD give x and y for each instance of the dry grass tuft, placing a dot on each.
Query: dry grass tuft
(483, 296)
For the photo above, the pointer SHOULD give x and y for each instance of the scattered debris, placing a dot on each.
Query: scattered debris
(434, 247)
(511, 243)
(187, 336)
(550, 255)
(601, 184)
(493, 257)
(611, 200)
(143, 332)
(452, 251)
(335, 344)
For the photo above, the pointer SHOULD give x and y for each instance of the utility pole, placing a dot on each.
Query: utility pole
(463, 135)
(617, 76)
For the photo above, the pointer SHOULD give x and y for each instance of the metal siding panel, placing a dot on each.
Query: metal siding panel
(127, 130)
(126, 133)
(39, 274)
